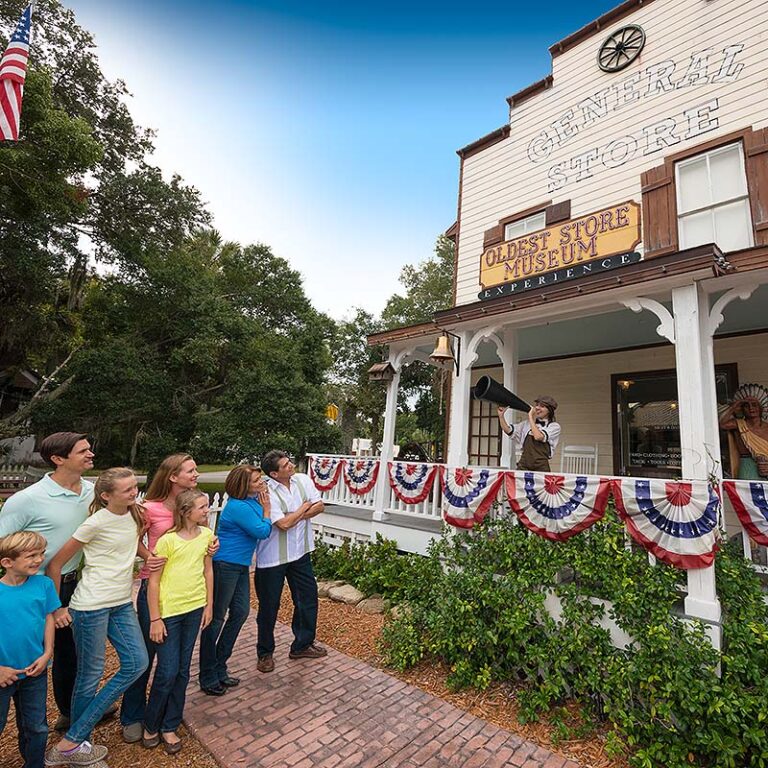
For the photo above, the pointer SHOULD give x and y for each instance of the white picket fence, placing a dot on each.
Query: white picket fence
(217, 502)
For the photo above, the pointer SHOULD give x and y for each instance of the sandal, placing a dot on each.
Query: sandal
(150, 742)
(171, 748)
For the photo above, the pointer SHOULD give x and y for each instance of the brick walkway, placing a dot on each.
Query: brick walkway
(342, 713)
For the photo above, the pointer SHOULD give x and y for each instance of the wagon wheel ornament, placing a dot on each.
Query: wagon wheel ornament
(621, 48)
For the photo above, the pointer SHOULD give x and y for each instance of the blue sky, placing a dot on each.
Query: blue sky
(326, 130)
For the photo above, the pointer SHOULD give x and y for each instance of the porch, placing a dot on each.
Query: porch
(684, 315)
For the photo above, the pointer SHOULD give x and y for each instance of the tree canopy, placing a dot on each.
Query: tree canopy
(148, 331)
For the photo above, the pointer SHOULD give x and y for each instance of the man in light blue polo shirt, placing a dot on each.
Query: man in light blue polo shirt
(55, 507)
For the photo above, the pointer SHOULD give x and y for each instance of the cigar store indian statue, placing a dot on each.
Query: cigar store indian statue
(746, 421)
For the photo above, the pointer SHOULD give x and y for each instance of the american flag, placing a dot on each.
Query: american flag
(13, 72)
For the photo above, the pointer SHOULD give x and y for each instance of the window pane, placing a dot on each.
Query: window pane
(696, 229)
(694, 185)
(728, 180)
(511, 231)
(474, 445)
(733, 226)
(532, 223)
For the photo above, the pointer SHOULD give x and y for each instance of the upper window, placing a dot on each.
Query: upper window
(524, 226)
(713, 200)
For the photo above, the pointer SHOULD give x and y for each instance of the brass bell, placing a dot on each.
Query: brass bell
(442, 352)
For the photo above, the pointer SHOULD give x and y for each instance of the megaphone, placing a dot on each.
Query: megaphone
(490, 389)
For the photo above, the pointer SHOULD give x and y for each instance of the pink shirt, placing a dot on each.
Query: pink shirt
(160, 519)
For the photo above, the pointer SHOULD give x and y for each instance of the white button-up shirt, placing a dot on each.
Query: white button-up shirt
(288, 546)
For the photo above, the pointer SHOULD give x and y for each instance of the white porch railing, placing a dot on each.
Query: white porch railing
(429, 508)
(340, 493)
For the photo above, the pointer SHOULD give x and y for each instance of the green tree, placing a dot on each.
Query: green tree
(360, 402)
(216, 348)
(76, 187)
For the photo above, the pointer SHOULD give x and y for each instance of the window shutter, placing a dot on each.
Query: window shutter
(756, 161)
(493, 235)
(659, 212)
(558, 212)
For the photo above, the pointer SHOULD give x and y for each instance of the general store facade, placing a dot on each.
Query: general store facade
(612, 250)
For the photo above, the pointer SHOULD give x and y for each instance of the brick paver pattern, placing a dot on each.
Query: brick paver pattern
(339, 712)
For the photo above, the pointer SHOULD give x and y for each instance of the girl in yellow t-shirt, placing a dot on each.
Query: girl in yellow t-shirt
(180, 597)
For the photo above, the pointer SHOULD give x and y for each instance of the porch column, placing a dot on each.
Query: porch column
(697, 409)
(509, 358)
(458, 436)
(381, 496)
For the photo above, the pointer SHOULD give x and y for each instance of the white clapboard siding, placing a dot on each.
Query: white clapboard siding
(502, 180)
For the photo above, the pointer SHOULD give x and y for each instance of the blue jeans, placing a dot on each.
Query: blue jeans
(231, 593)
(92, 628)
(165, 706)
(269, 588)
(29, 697)
(135, 698)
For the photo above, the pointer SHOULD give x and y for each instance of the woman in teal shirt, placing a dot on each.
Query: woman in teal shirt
(242, 523)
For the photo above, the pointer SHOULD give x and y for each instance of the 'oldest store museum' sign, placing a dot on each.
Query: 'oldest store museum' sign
(594, 243)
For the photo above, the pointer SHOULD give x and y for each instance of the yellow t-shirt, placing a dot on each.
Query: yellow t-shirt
(182, 585)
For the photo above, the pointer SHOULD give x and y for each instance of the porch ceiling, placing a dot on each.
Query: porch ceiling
(618, 330)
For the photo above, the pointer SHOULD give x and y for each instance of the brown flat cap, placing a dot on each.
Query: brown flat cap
(547, 400)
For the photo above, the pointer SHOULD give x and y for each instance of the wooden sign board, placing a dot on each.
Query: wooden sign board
(568, 250)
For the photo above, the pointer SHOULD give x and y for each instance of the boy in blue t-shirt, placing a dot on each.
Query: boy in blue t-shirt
(28, 601)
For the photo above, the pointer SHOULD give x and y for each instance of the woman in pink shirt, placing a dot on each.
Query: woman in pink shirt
(176, 473)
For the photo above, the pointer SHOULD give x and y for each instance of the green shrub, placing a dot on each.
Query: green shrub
(476, 601)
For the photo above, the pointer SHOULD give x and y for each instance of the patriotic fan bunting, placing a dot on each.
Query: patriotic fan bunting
(411, 483)
(749, 502)
(557, 506)
(677, 522)
(468, 494)
(325, 471)
(360, 475)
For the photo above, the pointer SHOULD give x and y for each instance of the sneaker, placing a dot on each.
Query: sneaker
(85, 754)
(265, 663)
(312, 651)
(132, 733)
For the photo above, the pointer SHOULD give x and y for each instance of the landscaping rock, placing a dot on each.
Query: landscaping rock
(324, 586)
(402, 609)
(346, 593)
(373, 604)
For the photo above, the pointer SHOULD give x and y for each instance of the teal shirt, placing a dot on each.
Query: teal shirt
(51, 510)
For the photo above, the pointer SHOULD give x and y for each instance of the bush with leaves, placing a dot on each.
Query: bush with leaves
(669, 698)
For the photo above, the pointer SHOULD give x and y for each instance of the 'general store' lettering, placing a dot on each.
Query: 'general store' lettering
(655, 79)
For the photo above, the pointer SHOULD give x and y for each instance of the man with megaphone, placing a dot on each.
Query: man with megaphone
(537, 436)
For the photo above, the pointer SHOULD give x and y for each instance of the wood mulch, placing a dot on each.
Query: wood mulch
(355, 633)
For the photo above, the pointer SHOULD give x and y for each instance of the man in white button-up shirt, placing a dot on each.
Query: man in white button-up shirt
(285, 555)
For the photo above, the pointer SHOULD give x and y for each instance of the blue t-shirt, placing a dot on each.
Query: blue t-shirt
(25, 607)
(240, 528)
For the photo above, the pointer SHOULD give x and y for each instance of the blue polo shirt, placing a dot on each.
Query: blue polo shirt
(47, 508)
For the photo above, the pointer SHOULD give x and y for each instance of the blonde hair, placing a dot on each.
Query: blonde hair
(185, 502)
(15, 544)
(105, 483)
(160, 487)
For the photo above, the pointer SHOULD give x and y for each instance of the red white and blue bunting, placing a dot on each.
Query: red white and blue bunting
(360, 475)
(410, 482)
(750, 504)
(468, 494)
(557, 506)
(676, 522)
(325, 471)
